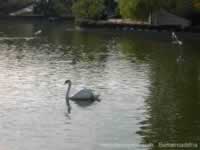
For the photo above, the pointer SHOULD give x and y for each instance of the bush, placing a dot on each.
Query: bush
(88, 9)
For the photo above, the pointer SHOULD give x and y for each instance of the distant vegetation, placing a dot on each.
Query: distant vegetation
(80, 9)
(101, 9)
(140, 9)
(53, 7)
(88, 9)
(196, 5)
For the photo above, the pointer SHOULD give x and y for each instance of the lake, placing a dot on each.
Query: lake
(149, 88)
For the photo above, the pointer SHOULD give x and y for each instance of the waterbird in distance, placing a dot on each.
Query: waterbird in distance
(175, 39)
(38, 32)
(74, 61)
(82, 95)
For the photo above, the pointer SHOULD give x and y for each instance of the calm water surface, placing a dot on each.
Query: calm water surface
(149, 88)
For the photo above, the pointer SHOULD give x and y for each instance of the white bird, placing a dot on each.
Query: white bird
(83, 95)
(38, 32)
(175, 39)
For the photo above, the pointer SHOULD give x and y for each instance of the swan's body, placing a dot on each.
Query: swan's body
(175, 39)
(83, 95)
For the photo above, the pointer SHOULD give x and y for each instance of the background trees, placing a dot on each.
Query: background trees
(141, 9)
(88, 9)
(196, 5)
(98, 9)
(53, 7)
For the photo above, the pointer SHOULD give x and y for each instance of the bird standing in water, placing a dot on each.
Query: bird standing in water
(38, 32)
(175, 39)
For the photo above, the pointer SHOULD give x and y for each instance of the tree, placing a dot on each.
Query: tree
(141, 9)
(128, 8)
(135, 9)
(196, 5)
(53, 7)
(88, 9)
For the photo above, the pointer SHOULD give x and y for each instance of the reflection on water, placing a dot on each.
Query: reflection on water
(174, 99)
(149, 95)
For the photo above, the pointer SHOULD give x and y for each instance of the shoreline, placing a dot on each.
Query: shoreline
(36, 17)
(135, 26)
(112, 24)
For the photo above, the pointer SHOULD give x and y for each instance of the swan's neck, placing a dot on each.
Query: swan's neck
(67, 96)
(68, 90)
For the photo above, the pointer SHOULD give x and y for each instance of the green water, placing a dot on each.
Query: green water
(149, 88)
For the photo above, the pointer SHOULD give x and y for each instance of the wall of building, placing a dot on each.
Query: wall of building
(163, 17)
(7, 6)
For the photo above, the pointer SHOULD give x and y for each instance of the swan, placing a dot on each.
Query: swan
(175, 39)
(82, 95)
(74, 61)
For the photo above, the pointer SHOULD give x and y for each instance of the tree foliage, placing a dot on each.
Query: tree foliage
(142, 8)
(88, 9)
(196, 5)
(138, 8)
(53, 7)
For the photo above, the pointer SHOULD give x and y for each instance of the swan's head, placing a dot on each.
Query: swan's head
(67, 81)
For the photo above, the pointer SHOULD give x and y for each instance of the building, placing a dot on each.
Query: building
(162, 17)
